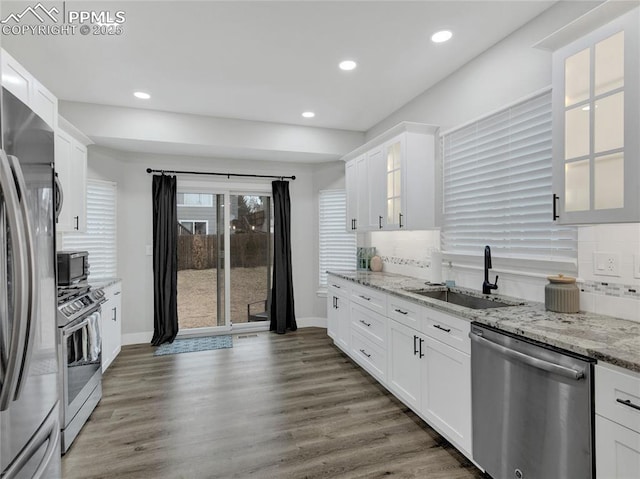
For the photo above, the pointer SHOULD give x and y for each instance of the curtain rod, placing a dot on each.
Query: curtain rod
(228, 175)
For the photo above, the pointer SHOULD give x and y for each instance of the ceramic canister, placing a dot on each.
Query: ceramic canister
(562, 295)
(376, 264)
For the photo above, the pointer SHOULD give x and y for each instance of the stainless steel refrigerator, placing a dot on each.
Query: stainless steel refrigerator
(29, 415)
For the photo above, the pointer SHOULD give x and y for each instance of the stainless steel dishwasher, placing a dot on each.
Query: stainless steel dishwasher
(532, 408)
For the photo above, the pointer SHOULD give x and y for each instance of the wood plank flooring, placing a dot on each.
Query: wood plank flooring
(290, 406)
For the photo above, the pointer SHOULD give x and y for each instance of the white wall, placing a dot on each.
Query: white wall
(510, 70)
(135, 229)
(135, 129)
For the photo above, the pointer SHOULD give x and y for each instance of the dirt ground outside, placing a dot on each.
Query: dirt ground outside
(197, 295)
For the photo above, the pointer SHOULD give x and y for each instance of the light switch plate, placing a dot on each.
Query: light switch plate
(149, 250)
(606, 264)
(636, 266)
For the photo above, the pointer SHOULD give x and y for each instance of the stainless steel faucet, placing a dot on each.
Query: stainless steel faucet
(486, 285)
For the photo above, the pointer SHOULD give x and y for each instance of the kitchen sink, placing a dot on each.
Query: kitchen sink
(462, 299)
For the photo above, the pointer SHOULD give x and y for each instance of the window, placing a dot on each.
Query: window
(337, 246)
(100, 238)
(193, 227)
(497, 187)
(203, 200)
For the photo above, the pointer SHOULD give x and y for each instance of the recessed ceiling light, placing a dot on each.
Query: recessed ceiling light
(347, 65)
(142, 95)
(441, 36)
(308, 114)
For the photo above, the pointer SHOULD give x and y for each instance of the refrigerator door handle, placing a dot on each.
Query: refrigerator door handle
(50, 431)
(20, 283)
(32, 291)
(59, 196)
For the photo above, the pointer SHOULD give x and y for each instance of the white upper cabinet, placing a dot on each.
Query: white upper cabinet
(376, 181)
(71, 171)
(392, 179)
(596, 116)
(351, 187)
(17, 80)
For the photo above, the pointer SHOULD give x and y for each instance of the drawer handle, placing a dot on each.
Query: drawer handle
(628, 402)
(400, 311)
(368, 325)
(335, 286)
(415, 348)
(365, 353)
(365, 298)
(437, 326)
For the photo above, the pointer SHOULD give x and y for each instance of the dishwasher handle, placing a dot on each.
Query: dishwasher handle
(529, 360)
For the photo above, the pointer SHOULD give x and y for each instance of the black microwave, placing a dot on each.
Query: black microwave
(73, 266)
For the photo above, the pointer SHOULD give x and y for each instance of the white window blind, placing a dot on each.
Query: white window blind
(337, 246)
(100, 238)
(497, 187)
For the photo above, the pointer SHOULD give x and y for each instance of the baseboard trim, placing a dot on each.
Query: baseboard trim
(312, 322)
(137, 338)
(146, 336)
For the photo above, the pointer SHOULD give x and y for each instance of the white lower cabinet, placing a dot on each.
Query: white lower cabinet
(404, 364)
(111, 324)
(617, 402)
(338, 318)
(617, 451)
(446, 392)
(338, 328)
(421, 355)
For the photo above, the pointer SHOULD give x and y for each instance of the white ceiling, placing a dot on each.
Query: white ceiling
(269, 61)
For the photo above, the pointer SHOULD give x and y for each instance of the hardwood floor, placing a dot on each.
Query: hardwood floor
(290, 406)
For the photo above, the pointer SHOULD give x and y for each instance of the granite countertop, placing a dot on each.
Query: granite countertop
(605, 338)
(104, 283)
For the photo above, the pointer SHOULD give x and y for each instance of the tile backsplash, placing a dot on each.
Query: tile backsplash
(409, 253)
(406, 252)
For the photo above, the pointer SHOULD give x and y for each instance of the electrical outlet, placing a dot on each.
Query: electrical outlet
(606, 264)
(636, 266)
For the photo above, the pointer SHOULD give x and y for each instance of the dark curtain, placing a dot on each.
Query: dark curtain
(282, 311)
(165, 260)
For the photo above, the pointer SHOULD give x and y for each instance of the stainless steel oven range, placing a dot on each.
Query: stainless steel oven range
(80, 356)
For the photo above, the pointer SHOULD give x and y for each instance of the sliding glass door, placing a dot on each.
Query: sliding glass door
(250, 253)
(201, 266)
(224, 258)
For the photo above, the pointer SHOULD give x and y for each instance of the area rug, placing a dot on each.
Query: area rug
(191, 345)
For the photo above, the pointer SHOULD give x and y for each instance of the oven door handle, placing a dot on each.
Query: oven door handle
(570, 373)
(69, 331)
(19, 275)
(32, 290)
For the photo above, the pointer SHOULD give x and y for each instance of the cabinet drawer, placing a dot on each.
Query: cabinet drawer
(370, 324)
(448, 329)
(405, 312)
(618, 395)
(340, 285)
(369, 298)
(371, 357)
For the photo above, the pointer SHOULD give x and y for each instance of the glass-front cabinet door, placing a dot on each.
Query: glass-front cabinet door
(394, 153)
(596, 141)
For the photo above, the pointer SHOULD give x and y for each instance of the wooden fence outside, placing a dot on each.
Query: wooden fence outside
(200, 251)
